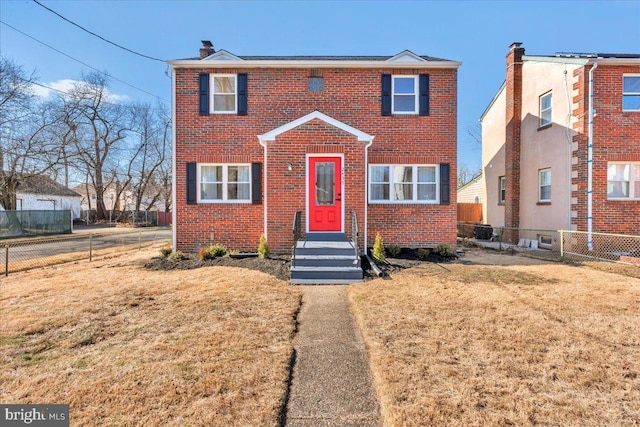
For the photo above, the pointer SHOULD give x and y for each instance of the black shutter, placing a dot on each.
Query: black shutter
(445, 187)
(242, 94)
(386, 94)
(203, 94)
(256, 183)
(191, 184)
(424, 95)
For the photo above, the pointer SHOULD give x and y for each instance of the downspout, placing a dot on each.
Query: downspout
(366, 192)
(590, 162)
(264, 215)
(173, 160)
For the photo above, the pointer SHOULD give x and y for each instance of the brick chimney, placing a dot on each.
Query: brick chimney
(206, 49)
(513, 121)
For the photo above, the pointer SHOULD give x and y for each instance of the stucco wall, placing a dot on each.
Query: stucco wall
(493, 139)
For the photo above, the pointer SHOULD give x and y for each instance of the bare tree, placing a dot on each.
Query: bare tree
(103, 125)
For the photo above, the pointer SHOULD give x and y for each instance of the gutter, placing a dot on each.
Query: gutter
(590, 162)
(173, 160)
(199, 63)
(366, 192)
(264, 198)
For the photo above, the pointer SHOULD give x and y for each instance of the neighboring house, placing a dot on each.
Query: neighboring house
(545, 168)
(259, 138)
(126, 200)
(472, 191)
(43, 193)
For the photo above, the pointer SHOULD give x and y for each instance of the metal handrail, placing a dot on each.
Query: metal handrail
(297, 233)
(354, 234)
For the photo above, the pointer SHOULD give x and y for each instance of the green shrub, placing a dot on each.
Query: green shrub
(178, 256)
(443, 250)
(423, 253)
(263, 248)
(393, 250)
(217, 250)
(378, 249)
(166, 251)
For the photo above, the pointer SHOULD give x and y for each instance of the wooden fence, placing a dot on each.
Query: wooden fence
(470, 212)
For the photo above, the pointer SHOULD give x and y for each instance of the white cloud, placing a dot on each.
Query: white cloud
(66, 85)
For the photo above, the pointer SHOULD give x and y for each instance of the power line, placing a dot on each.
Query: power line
(83, 63)
(96, 35)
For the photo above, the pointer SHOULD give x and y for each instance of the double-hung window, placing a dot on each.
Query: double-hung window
(224, 183)
(404, 94)
(631, 92)
(623, 180)
(544, 183)
(502, 189)
(403, 184)
(224, 92)
(545, 109)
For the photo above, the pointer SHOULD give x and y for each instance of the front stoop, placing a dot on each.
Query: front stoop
(325, 262)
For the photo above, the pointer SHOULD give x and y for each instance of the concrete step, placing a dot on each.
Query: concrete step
(325, 237)
(326, 274)
(326, 260)
(325, 248)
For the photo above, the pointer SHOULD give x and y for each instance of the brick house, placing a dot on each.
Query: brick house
(364, 139)
(544, 165)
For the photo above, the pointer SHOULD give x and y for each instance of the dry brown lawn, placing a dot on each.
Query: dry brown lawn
(472, 345)
(125, 346)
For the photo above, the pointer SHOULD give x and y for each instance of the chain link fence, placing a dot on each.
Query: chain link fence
(574, 245)
(26, 254)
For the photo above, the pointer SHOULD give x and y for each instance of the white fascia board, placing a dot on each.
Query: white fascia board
(614, 61)
(271, 135)
(198, 63)
(406, 56)
(558, 59)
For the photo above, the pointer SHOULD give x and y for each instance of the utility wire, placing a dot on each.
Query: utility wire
(96, 35)
(83, 63)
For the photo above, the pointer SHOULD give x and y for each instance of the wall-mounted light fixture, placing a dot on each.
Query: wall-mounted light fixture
(289, 167)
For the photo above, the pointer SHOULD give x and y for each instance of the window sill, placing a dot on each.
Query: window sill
(544, 127)
(501, 203)
(620, 199)
(543, 203)
(408, 202)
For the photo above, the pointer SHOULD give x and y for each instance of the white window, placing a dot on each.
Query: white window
(545, 109)
(404, 91)
(631, 93)
(224, 183)
(544, 181)
(224, 89)
(502, 189)
(623, 180)
(403, 184)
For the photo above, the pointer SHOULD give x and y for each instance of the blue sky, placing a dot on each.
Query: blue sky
(477, 33)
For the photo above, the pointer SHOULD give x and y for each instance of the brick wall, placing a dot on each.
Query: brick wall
(616, 137)
(279, 96)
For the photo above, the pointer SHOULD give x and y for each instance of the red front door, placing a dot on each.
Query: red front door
(325, 194)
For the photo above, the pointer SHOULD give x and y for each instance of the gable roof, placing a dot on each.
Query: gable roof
(403, 59)
(271, 135)
(40, 184)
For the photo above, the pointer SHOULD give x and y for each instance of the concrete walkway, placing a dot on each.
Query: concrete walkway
(331, 383)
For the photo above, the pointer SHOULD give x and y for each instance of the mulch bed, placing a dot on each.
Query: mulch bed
(279, 265)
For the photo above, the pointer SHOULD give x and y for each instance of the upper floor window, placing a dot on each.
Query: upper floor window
(502, 189)
(545, 109)
(631, 93)
(544, 182)
(223, 93)
(403, 184)
(316, 84)
(404, 94)
(224, 183)
(623, 180)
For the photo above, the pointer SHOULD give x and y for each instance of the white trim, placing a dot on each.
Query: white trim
(271, 135)
(222, 55)
(406, 56)
(541, 110)
(416, 92)
(174, 208)
(342, 189)
(637, 75)
(633, 171)
(540, 172)
(199, 63)
(414, 185)
(225, 183)
(212, 94)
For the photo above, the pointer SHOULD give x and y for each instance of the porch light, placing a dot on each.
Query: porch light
(289, 167)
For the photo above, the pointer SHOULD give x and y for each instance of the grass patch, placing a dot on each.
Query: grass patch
(503, 345)
(127, 346)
